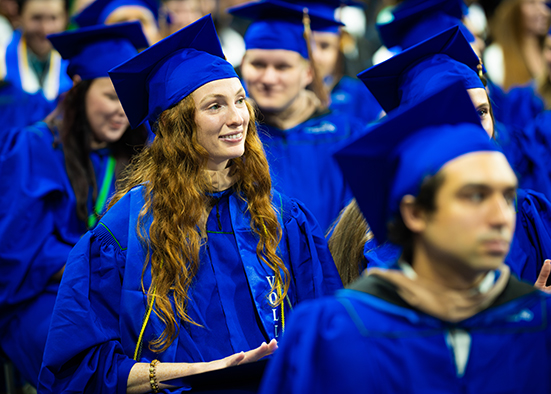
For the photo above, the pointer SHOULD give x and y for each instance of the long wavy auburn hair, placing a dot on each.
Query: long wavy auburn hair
(172, 172)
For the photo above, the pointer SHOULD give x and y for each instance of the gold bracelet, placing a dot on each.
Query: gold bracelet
(153, 381)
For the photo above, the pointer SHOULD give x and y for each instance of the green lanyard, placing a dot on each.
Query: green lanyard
(102, 197)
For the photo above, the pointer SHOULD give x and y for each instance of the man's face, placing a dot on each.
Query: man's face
(474, 221)
(40, 18)
(275, 78)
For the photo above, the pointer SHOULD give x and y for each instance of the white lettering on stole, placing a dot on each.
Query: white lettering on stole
(271, 280)
(273, 298)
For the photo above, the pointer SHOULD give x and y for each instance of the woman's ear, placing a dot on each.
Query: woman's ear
(76, 79)
(414, 217)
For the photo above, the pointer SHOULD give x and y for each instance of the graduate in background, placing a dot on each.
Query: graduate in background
(412, 21)
(298, 131)
(411, 76)
(347, 94)
(28, 61)
(110, 12)
(198, 262)
(19, 108)
(535, 102)
(518, 29)
(448, 317)
(56, 177)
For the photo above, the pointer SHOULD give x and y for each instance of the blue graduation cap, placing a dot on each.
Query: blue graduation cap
(94, 50)
(327, 8)
(168, 71)
(98, 11)
(278, 25)
(394, 157)
(423, 69)
(413, 21)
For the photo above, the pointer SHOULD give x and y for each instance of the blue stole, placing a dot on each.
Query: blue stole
(134, 304)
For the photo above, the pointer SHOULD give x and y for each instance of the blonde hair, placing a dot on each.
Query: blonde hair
(507, 31)
(347, 242)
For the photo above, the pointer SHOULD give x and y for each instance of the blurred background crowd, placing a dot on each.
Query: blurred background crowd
(511, 36)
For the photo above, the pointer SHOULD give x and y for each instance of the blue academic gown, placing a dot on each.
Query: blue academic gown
(17, 71)
(539, 131)
(101, 305)
(518, 136)
(351, 97)
(38, 229)
(302, 166)
(358, 342)
(530, 247)
(522, 105)
(532, 241)
(525, 156)
(20, 109)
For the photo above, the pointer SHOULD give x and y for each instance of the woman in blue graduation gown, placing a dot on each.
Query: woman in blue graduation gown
(56, 177)
(198, 259)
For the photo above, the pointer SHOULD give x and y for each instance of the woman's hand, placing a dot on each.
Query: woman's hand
(138, 379)
(542, 277)
(235, 359)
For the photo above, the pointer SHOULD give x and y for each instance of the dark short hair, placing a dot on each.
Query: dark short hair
(21, 4)
(398, 233)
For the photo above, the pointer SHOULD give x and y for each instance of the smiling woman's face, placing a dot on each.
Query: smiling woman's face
(222, 119)
(104, 111)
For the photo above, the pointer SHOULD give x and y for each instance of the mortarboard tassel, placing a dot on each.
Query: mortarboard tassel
(317, 84)
(480, 69)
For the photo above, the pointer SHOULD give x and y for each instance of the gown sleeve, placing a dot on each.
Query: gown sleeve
(38, 225)
(527, 155)
(84, 353)
(532, 241)
(312, 265)
(19, 108)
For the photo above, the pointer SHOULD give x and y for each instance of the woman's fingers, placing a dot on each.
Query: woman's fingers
(542, 278)
(265, 349)
(235, 359)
